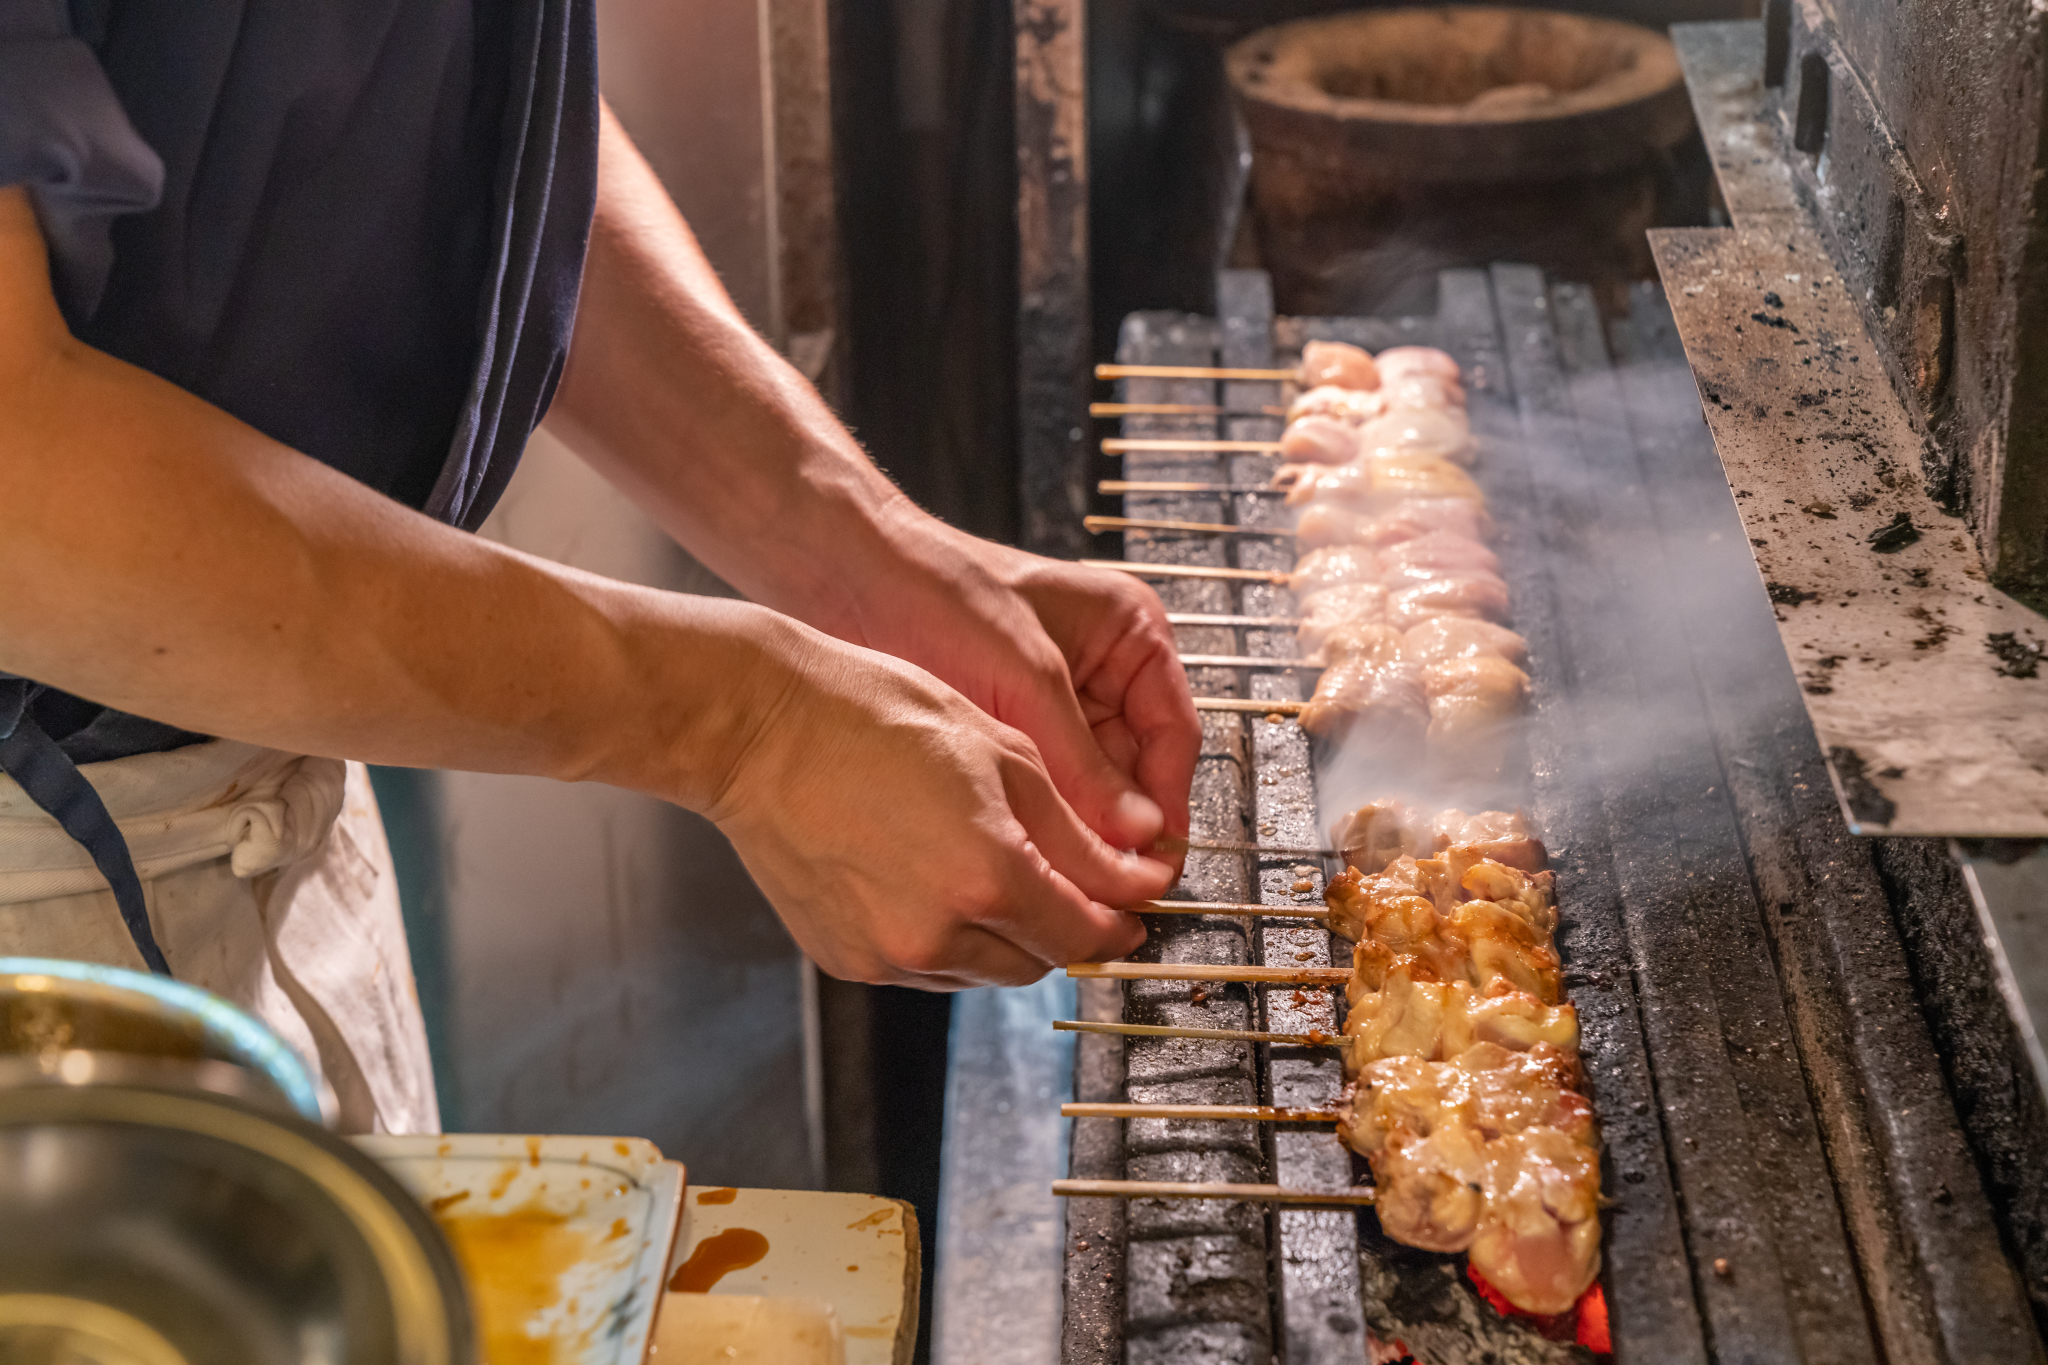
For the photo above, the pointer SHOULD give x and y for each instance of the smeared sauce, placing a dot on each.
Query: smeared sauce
(619, 1229)
(715, 1257)
(721, 1194)
(447, 1201)
(533, 1151)
(514, 1262)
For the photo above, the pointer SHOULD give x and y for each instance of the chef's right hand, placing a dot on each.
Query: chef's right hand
(907, 838)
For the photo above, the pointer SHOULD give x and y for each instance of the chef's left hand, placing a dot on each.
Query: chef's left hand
(1081, 660)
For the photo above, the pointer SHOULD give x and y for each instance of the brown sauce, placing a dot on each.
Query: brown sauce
(716, 1257)
(514, 1263)
(719, 1194)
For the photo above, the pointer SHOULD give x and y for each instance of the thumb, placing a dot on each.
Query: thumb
(1105, 798)
(1076, 852)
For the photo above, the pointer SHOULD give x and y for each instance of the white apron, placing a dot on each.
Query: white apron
(269, 882)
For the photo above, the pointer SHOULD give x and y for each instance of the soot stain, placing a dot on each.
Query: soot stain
(1867, 802)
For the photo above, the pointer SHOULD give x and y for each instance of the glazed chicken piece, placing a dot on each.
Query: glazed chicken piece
(1471, 699)
(1323, 613)
(1442, 432)
(1399, 362)
(1334, 566)
(1506, 951)
(1379, 703)
(1335, 362)
(1474, 594)
(1538, 1240)
(1353, 407)
(1411, 1015)
(1487, 1089)
(1320, 440)
(1432, 554)
(1412, 908)
(1444, 638)
(1370, 640)
(1531, 895)
(1377, 833)
(1496, 835)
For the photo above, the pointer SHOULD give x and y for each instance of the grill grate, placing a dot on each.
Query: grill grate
(1705, 990)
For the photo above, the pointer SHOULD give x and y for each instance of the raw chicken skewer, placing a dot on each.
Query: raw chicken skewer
(1180, 410)
(1333, 363)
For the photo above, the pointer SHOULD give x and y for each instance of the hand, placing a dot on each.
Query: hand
(906, 837)
(1081, 660)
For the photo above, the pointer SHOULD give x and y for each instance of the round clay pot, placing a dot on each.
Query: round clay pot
(1387, 144)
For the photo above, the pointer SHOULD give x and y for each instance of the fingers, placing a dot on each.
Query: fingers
(1106, 798)
(1096, 871)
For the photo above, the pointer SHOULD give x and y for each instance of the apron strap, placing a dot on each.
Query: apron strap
(51, 780)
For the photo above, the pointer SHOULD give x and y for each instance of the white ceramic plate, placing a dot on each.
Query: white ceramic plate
(565, 1239)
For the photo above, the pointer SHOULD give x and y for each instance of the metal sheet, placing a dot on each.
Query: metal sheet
(1918, 675)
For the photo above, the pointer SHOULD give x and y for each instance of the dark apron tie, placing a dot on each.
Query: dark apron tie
(51, 780)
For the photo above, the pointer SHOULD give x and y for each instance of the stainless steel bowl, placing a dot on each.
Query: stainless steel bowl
(50, 1006)
(145, 1226)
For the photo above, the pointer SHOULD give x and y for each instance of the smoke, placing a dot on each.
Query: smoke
(1631, 578)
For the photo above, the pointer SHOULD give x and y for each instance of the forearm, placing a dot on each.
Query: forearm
(159, 556)
(679, 402)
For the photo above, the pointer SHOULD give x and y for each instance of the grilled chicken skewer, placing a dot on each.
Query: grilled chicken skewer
(1177, 1189)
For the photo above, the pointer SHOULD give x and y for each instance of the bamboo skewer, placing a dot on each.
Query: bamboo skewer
(1141, 570)
(1104, 525)
(1196, 618)
(1230, 908)
(1190, 1189)
(1125, 445)
(1122, 486)
(1169, 844)
(1192, 372)
(1180, 410)
(1246, 661)
(1200, 971)
(1251, 706)
(1225, 1035)
(1227, 1113)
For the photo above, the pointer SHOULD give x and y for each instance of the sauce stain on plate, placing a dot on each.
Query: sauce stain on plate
(514, 1262)
(718, 1194)
(716, 1257)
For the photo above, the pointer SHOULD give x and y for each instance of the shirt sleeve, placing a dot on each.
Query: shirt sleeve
(64, 135)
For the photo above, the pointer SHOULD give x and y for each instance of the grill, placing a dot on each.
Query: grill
(1788, 1173)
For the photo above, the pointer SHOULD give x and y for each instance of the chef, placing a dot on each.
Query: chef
(284, 287)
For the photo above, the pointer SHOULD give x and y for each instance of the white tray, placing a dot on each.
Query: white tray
(618, 1203)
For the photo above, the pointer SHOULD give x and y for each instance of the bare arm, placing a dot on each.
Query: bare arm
(159, 556)
(675, 399)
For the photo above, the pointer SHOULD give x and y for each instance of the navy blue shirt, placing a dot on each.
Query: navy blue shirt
(356, 225)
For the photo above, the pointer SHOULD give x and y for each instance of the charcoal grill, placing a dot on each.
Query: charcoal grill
(1789, 1175)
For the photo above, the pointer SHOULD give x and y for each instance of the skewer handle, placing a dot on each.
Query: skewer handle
(1246, 1113)
(1246, 661)
(1120, 486)
(1189, 1189)
(1168, 844)
(1196, 618)
(1171, 971)
(1250, 706)
(1230, 908)
(1227, 1035)
(1102, 525)
(1189, 571)
(1190, 372)
(1124, 445)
